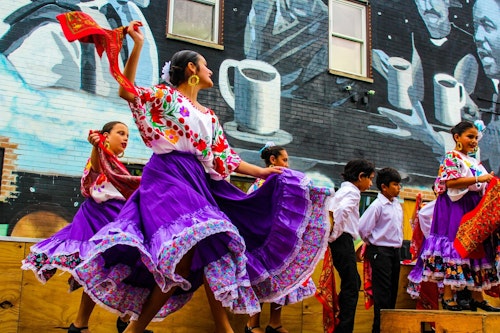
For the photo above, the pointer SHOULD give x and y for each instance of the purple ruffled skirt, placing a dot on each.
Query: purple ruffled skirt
(64, 249)
(440, 262)
(251, 248)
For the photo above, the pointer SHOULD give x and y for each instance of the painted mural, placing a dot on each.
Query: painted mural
(440, 66)
(434, 62)
(54, 92)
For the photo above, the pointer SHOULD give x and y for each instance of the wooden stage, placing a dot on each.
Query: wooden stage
(27, 306)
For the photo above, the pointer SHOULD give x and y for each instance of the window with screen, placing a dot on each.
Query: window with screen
(349, 39)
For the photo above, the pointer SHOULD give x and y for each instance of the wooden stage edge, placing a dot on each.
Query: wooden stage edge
(27, 306)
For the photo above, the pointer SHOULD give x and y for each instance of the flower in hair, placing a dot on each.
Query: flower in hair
(165, 72)
(480, 128)
(267, 145)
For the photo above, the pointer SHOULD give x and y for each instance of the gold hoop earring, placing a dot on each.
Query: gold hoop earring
(106, 144)
(459, 146)
(193, 80)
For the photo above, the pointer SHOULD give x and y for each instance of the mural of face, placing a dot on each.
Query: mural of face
(486, 15)
(434, 13)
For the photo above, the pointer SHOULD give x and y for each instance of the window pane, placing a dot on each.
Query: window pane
(347, 20)
(193, 19)
(346, 55)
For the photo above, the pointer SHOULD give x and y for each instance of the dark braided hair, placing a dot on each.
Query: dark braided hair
(267, 152)
(461, 127)
(108, 127)
(178, 65)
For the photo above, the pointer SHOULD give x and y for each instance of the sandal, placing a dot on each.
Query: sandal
(446, 303)
(122, 325)
(73, 329)
(270, 329)
(249, 329)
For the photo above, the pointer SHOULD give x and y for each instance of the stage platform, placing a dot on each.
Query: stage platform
(27, 306)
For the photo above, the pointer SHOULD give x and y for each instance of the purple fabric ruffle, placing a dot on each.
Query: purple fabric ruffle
(64, 249)
(439, 261)
(251, 248)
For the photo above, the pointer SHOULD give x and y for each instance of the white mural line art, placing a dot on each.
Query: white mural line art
(66, 89)
(255, 99)
(455, 93)
(53, 131)
(405, 92)
(486, 16)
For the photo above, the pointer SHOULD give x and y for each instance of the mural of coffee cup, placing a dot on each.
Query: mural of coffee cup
(399, 82)
(255, 97)
(449, 99)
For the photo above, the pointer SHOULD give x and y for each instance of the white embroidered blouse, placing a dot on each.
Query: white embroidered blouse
(168, 121)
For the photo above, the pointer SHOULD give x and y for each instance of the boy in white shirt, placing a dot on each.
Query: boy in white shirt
(381, 228)
(344, 214)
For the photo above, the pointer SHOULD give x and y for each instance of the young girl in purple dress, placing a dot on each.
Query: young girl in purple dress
(187, 225)
(460, 184)
(105, 189)
(276, 156)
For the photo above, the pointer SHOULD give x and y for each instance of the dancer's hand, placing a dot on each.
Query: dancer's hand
(266, 172)
(486, 177)
(94, 138)
(134, 31)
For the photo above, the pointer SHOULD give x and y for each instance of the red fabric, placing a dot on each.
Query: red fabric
(80, 26)
(429, 296)
(493, 292)
(367, 280)
(480, 223)
(116, 172)
(417, 237)
(326, 294)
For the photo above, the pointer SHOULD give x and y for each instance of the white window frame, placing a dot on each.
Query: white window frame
(364, 41)
(216, 42)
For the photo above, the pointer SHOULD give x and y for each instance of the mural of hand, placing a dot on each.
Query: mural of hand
(413, 126)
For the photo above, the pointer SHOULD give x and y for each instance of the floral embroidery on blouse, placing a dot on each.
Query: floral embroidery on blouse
(456, 165)
(168, 121)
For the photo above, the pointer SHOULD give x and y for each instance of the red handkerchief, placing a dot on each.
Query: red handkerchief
(82, 27)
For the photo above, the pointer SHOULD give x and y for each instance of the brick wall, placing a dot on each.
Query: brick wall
(43, 125)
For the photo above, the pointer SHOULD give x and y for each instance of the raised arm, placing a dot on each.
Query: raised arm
(94, 139)
(133, 60)
(256, 171)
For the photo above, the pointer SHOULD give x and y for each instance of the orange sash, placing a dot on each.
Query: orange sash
(480, 223)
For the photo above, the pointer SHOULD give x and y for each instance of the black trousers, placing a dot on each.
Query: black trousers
(344, 261)
(385, 263)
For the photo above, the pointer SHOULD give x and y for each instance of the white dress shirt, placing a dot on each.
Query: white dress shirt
(345, 208)
(382, 223)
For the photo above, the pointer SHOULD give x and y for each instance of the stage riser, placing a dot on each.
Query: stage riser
(415, 321)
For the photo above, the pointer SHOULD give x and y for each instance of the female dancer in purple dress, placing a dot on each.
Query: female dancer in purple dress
(460, 184)
(186, 225)
(106, 189)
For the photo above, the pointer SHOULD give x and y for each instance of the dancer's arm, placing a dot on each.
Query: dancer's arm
(256, 171)
(131, 66)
